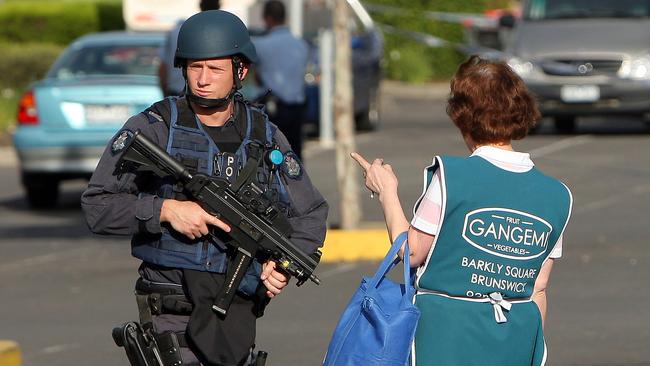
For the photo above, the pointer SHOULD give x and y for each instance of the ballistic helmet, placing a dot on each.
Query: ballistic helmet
(212, 34)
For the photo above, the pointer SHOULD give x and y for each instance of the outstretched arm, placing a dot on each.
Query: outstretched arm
(382, 181)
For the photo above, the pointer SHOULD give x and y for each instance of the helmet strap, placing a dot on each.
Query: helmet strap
(211, 103)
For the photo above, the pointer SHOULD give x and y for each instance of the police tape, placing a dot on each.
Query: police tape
(435, 42)
(467, 19)
(10, 354)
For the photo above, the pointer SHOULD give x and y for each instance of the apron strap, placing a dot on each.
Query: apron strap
(499, 304)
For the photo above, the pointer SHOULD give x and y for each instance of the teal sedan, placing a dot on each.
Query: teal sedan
(66, 119)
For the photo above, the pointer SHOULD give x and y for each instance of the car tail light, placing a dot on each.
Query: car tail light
(27, 113)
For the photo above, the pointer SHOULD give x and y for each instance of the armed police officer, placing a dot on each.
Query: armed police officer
(184, 249)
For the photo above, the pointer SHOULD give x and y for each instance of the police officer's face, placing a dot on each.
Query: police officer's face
(211, 78)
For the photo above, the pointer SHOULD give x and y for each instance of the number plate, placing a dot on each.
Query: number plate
(105, 114)
(580, 93)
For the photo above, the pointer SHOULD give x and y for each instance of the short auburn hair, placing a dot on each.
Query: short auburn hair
(490, 103)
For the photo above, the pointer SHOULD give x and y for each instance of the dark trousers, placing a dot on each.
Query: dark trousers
(235, 334)
(225, 341)
(289, 119)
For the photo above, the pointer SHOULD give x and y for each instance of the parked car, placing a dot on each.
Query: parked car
(584, 57)
(66, 119)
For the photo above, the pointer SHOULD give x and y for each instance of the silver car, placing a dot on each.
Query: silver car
(584, 57)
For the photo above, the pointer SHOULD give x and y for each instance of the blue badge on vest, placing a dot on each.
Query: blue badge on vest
(291, 166)
(120, 141)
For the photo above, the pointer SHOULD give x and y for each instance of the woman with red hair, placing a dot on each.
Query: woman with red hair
(486, 230)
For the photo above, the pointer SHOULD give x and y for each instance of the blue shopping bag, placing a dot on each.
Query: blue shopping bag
(378, 325)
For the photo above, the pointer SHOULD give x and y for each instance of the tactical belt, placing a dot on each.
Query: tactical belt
(163, 298)
(155, 299)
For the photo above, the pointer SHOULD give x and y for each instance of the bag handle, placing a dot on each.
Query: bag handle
(390, 262)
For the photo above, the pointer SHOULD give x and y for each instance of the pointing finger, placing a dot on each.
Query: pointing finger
(360, 160)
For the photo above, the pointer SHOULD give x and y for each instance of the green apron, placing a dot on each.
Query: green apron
(474, 291)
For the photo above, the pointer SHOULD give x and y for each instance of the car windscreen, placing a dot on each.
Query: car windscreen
(107, 60)
(574, 9)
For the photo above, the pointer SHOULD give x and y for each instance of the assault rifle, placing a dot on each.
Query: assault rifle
(258, 227)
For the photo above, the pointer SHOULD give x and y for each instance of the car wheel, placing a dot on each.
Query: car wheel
(565, 124)
(368, 120)
(42, 192)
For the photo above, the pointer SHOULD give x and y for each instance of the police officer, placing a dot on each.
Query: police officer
(211, 130)
(283, 73)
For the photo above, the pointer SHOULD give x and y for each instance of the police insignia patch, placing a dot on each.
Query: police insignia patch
(291, 166)
(120, 141)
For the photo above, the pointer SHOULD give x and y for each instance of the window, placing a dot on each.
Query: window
(103, 60)
(564, 9)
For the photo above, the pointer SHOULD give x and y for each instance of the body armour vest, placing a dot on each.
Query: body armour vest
(191, 145)
(496, 232)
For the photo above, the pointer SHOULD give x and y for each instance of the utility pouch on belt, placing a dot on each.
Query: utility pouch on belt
(140, 348)
(161, 299)
(143, 346)
(145, 349)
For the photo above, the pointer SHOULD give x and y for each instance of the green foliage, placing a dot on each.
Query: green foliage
(56, 22)
(33, 34)
(22, 64)
(8, 106)
(410, 61)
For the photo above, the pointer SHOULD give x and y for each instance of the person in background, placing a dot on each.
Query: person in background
(486, 231)
(281, 71)
(171, 78)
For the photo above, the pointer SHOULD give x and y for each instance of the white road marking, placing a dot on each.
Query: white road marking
(342, 268)
(560, 145)
(59, 348)
(613, 199)
(26, 263)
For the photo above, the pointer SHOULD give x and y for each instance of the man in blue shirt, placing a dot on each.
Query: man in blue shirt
(283, 60)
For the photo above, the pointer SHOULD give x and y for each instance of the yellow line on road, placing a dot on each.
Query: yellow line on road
(9, 353)
(353, 245)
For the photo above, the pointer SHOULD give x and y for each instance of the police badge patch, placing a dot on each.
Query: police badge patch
(121, 141)
(291, 165)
